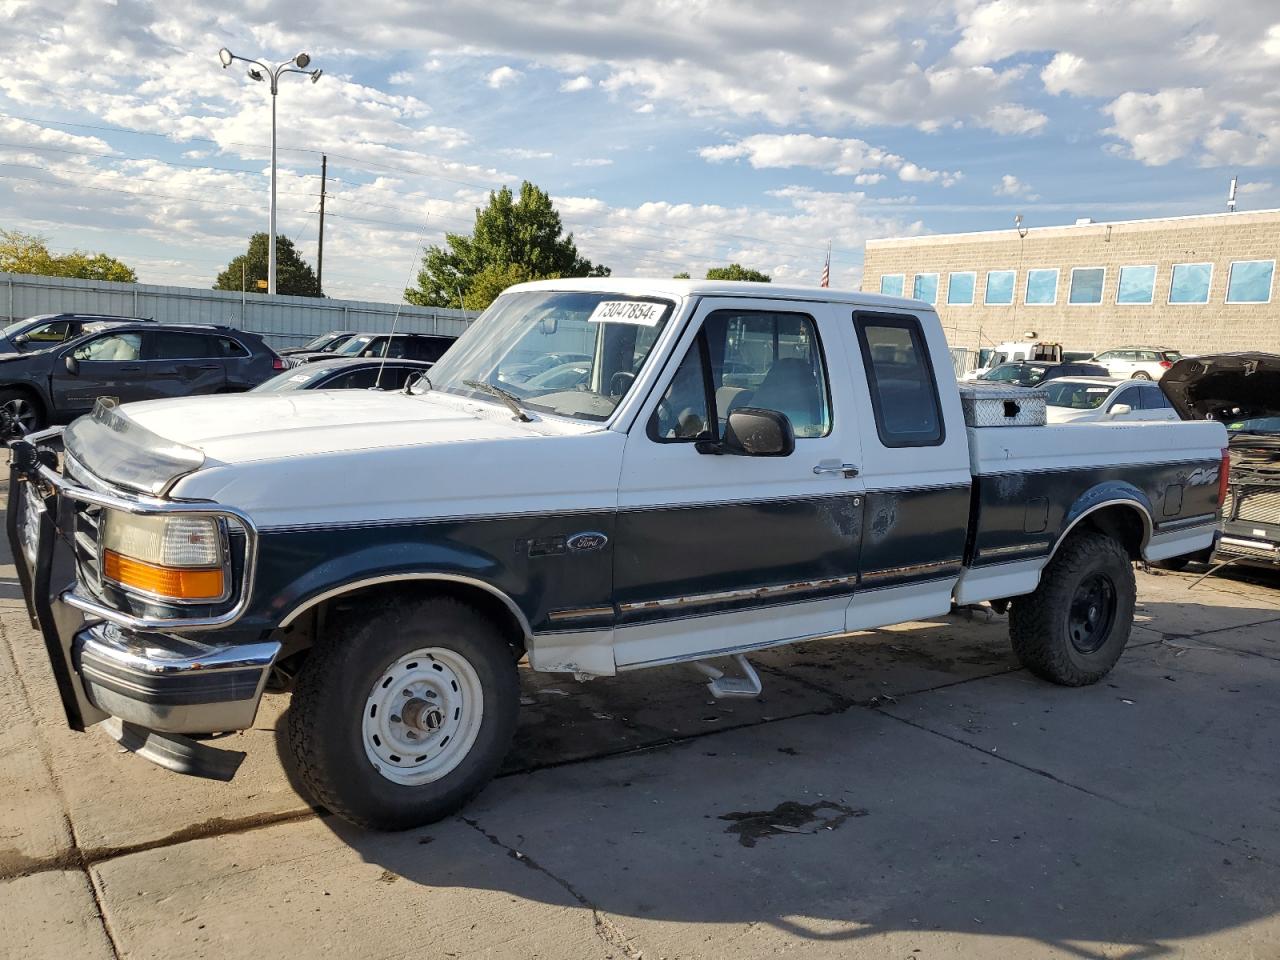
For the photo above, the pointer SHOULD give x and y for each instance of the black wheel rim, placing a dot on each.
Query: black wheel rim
(1092, 613)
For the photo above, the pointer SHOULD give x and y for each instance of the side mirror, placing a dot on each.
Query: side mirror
(20, 339)
(72, 365)
(549, 325)
(755, 432)
(1119, 410)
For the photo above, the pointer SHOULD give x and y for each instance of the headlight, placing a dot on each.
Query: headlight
(174, 556)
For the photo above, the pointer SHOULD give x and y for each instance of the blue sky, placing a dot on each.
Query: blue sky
(673, 135)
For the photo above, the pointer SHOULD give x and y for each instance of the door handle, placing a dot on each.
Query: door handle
(846, 470)
(130, 369)
(208, 366)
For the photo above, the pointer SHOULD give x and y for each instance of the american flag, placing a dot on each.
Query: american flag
(826, 270)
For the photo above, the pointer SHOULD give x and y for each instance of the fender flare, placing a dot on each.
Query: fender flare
(406, 577)
(1112, 493)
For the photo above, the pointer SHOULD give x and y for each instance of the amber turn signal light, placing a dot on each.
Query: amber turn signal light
(198, 583)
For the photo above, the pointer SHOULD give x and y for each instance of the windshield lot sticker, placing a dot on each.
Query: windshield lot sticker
(627, 311)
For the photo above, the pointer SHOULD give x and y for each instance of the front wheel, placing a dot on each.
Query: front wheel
(20, 414)
(1073, 628)
(402, 714)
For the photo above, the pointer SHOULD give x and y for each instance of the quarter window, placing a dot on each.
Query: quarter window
(747, 359)
(925, 287)
(904, 395)
(1042, 287)
(1086, 285)
(121, 347)
(1000, 288)
(231, 348)
(960, 289)
(1137, 285)
(1250, 281)
(1190, 283)
(891, 284)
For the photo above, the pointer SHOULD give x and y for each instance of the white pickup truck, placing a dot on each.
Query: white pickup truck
(706, 470)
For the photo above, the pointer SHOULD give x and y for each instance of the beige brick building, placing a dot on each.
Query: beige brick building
(1195, 284)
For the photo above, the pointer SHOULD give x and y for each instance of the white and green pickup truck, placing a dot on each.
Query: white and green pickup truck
(703, 469)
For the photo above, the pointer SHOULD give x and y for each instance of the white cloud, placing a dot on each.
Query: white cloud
(1256, 186)
(868, 179)
(1011, 186)
(503, 77)
(577, 84)
(645, 108)
(400, 78)
(841, 156)
(524, 153)
(594, 162)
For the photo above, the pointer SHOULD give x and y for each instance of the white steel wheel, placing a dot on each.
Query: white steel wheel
(422, 716)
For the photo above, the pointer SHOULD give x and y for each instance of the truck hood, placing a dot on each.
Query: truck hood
(1224, 386)
(148, 446)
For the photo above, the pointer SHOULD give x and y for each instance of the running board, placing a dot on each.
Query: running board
(722, 686)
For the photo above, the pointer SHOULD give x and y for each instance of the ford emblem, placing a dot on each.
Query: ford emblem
(587, 542)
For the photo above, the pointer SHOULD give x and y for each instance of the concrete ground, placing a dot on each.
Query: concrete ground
(902, 793)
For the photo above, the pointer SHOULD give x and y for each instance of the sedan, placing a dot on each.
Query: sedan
(1093, 399)
(357, 373)
(1029, 374)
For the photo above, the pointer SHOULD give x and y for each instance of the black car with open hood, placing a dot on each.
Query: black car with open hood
(1242, 390)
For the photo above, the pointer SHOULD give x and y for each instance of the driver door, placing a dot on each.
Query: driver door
(109, 365)
(716, 553)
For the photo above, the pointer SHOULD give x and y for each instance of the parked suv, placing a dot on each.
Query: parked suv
(1138, 363)
(49, 329)
(396, 346)
(325, 343)
(130, 360)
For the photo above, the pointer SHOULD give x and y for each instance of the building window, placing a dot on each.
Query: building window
(891, 284)
(1042, 287)
(1137, 285)
(1000, 287)
(925, 287)
(1190, 282)
(1086, 285)
(960, 289)
(1250, 281)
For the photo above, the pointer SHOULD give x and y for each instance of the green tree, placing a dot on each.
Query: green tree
(514, 240)
(736, 271)
(294, 275)
(28, 253)
(681, 276)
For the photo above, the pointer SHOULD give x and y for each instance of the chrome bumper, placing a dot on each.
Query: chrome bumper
(171, 684)
(110, 663)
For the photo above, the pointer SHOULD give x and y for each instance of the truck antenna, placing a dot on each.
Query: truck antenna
(395, 321)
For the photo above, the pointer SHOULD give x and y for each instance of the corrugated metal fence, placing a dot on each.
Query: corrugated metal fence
(285, 321)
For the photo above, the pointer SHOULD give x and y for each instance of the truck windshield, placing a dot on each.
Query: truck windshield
(572, 354)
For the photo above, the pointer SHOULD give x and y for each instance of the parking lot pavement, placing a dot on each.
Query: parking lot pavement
(901, 792)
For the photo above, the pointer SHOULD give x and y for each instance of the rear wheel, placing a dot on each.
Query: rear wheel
(403, 713)
(20, 413)
(1140, 375)
(1076, 624)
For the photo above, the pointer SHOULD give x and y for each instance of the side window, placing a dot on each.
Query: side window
(904, 393)
(355, 380)
(1153, 398)
(112, 346)
(231, 348)
(747, 359)
(169, 345)
(377, 348)
(54, 332)
(1129, 396)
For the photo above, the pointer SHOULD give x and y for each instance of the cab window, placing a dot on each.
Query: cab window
(763, 359)
(112, 346)
(54, 332)
(904, 393)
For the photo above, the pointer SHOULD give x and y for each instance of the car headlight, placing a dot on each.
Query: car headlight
(172, 556)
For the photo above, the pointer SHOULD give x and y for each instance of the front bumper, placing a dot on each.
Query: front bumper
(107, 663)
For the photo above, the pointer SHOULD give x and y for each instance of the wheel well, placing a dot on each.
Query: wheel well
(300, 633)
(30, 392)
(1122, 522)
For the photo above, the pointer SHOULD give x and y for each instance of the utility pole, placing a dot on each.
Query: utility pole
(324, 176)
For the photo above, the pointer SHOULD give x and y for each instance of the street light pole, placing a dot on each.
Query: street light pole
(260, 71)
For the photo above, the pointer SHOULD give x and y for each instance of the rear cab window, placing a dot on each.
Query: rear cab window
(899, 371)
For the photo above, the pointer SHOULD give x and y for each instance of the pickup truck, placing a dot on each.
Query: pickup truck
(738, 466)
